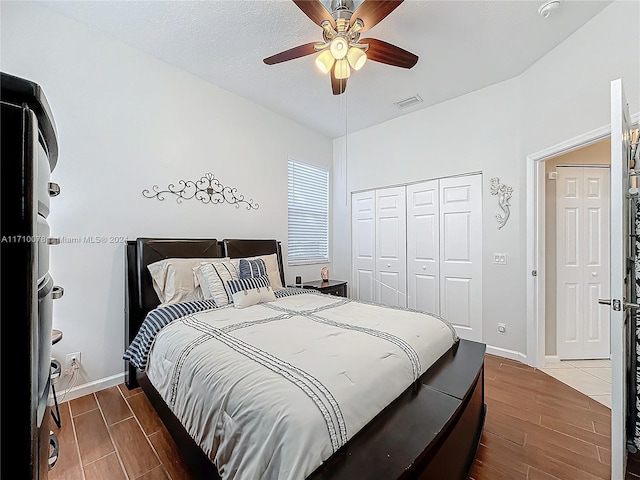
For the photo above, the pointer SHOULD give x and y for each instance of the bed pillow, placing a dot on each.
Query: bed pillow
(215, 276)
(251, 291)
(173, 280)
(199, 280)
(252, 268)
(273, 270)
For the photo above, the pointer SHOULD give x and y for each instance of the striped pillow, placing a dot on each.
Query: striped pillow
(273, 269)
(251, 291)
(215, 276)
(252, 268)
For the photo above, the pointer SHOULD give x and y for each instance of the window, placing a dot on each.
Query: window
(308, 211)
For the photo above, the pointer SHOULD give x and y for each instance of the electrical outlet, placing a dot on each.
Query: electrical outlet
(502, 329)
(73, 356)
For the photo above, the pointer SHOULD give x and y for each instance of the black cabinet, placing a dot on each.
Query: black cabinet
(29, 153)
(330, 287)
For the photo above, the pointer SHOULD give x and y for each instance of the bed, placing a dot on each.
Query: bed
(299, 384)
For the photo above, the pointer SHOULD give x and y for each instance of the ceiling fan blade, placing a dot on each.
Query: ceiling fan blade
(384, 52)
(372, 12)
(338, 85)
(316, 11)
(295, 52)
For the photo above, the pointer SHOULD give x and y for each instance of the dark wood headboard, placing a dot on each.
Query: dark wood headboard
(241, 248)
(140, 296)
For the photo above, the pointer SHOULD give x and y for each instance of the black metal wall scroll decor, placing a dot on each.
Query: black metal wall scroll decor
(207, 189)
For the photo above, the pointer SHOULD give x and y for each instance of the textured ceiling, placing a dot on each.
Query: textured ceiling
(463, 46)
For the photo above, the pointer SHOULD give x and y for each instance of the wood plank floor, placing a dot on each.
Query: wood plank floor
(537, 428)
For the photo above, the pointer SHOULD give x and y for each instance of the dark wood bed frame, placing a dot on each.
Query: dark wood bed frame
(431, 431)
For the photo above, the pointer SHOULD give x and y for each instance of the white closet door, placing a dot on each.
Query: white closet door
(582, 230)
(461, 254)
(423, 247)
(390, 235)
(363, 236)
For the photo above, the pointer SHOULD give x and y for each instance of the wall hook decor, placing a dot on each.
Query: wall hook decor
(208, 190)
(504, 195)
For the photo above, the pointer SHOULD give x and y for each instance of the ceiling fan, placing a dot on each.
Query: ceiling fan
(342, 49)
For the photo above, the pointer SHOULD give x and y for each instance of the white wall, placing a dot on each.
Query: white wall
(566, 93)
(127, 121)
(476, 132)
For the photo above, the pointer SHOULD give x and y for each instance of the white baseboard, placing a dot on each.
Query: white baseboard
(551, 359)
(78, 391)
(505, 353)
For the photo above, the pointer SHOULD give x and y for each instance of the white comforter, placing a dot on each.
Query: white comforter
(272, 390)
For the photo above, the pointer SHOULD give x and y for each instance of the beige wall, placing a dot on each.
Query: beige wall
(596, 154)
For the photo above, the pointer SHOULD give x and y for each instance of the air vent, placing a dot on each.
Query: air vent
(408, 102)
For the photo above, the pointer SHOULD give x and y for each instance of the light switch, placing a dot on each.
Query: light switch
(500, 258)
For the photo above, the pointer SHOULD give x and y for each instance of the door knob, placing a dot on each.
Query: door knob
(594, 274)
(424, 267)
(388, 265)
(616, 304)
(54, 189)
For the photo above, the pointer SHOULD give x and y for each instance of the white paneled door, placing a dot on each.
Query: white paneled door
(461, 254)
(391, 273)
(420, 246)
(620, 281)
(363, 245)
(423, 247)
(582, 245)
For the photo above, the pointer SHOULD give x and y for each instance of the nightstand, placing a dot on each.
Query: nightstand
(331, 287)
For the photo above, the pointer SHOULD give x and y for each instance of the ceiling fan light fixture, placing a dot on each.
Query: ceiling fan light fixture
(342, 69)
(325, 61)
(328, 31)
(356, 58)
(357, 26)
(339, 47)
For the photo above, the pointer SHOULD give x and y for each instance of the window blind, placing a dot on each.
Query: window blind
(308, 213)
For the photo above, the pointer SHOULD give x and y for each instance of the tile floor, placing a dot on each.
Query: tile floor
(591, 377)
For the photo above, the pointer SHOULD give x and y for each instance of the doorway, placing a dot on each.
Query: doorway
(576, 343)
(582, 261)
(620, 125)
(578, 240)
